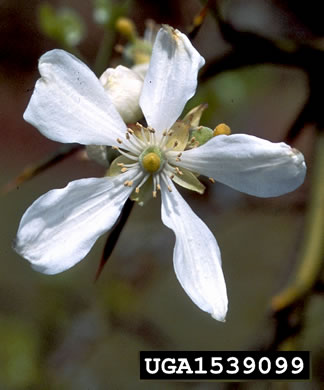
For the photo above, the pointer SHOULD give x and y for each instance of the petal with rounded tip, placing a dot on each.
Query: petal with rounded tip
(69, 104)
(196, 256)
(248, 164)
(171, 79)
(60, 227)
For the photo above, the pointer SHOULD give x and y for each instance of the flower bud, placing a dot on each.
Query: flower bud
(124, 88)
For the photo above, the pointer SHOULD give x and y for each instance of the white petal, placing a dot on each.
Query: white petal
(196, 256)
(171, 79)
(124, 88)
(60, 228)
(248, 164)
(69, 104)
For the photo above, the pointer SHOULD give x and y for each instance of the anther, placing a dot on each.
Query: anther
(179, 155)
(120, 164)
(158, 187)
(164, 133)
(176, 143)
(150, 129)
(170, 189)
(115, 147)
(119, 141)
(170, 132)
(193, 140)
(211, 180)
(128, 136)
(178, 171)
(124, 170)
(130, 130)
(126, 183)
(154, 194)
(130, 183)
(171, 176)
(137, 190)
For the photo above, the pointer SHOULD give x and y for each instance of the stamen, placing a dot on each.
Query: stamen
(178, 171)
(141, 183)
(154, 194)
(120, 164)
(124, 170)
(119, 141)
(158, 187)
(193, 140)
(128, 155)
(211, 180)
(127, 136)
(176, 143)
(166, 180)
(131, 131)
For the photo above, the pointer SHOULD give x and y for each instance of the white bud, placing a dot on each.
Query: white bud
(124, 87)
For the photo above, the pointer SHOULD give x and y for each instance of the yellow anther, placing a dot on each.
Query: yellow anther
(131, 131)
(170, 189)
(222, 128)
(158, 187)
(151, 162)
(119, 141)
(154, 194)
(193, 140)
(126, 27)
(137, 190)
(130, 183)
(124, 170)
(126, 183)
(178, 171)
(120, 164)
(211, 180)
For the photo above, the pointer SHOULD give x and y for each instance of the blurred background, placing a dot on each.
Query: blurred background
(264, 77)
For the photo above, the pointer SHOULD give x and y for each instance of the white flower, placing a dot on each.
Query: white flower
(69, 104)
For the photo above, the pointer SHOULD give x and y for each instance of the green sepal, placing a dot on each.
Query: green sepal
(201, 134)
(189, 180)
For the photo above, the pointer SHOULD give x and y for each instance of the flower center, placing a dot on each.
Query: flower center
(151, 162)
(152, 159)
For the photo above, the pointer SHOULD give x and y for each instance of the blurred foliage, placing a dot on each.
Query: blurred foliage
(63, 25)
